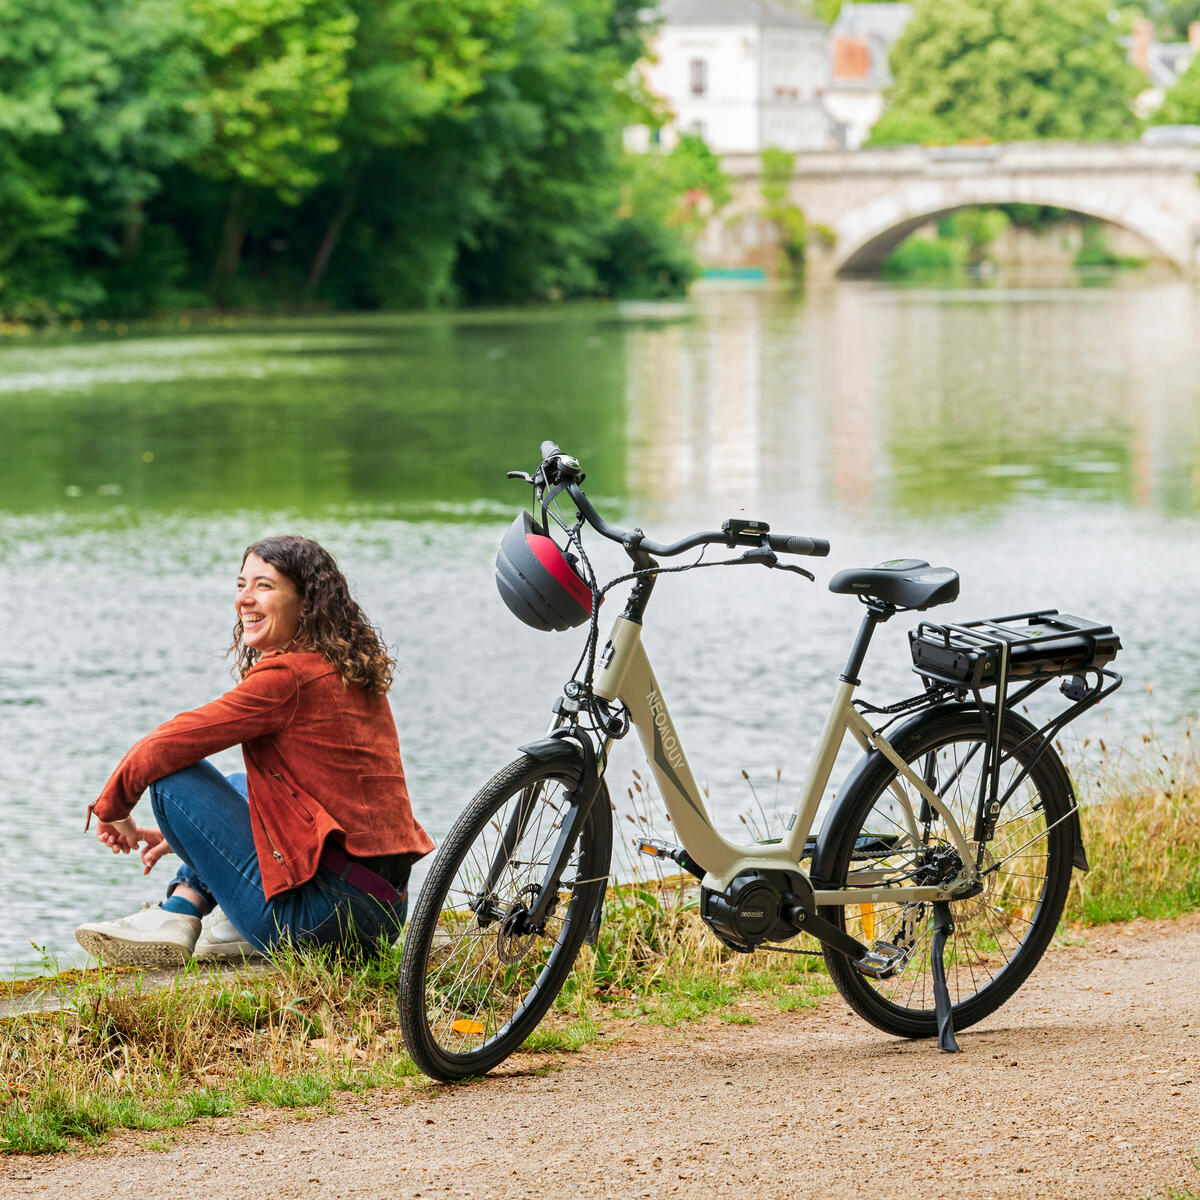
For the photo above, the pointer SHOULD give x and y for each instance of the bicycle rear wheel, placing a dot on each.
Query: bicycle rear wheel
(472, 989)
(999, 935)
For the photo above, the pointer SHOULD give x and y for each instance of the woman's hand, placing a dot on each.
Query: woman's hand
(154, 847)
(121, 836)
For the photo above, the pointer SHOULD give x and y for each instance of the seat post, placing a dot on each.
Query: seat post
(875, 615)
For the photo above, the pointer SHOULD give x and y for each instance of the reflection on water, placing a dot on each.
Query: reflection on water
(1043, 442)
(337, 412)
(933, 401)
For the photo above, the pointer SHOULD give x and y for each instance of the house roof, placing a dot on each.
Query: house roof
(739, 12)
(885, 21)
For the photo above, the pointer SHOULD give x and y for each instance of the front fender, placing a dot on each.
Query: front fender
(565, 750)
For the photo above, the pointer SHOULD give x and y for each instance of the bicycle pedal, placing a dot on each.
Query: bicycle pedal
(883, 960)
(658, 849)
(678, 854)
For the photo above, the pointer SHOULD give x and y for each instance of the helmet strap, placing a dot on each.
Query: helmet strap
(547, 499)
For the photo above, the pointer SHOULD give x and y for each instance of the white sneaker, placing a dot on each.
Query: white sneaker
(149, 938)
(219, 939)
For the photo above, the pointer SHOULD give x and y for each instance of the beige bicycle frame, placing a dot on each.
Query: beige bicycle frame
(624, 673)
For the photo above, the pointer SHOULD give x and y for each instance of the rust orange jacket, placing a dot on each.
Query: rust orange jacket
(322, 759)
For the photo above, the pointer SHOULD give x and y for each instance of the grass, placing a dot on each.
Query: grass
(117, 1056)
(1142, 833)
(317, 1025)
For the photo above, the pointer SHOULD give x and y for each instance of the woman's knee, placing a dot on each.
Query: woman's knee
(185, 786)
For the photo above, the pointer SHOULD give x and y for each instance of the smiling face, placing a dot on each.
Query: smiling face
(268, 606)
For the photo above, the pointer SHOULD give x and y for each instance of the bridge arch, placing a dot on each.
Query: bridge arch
(866, 234)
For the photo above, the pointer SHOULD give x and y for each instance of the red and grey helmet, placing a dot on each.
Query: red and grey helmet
(538, 580)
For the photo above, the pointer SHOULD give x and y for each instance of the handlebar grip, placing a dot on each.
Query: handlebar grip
(549, 450)
(791, 544)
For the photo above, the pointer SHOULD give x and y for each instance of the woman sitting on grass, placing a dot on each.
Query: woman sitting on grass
(313, 844)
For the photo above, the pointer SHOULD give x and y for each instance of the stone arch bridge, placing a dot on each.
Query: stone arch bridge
(873, 199)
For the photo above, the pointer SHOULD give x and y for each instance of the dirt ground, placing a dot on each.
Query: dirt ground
(1086, 1084)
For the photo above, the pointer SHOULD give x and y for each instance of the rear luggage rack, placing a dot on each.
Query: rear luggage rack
(1014, 657)
(1027, 646)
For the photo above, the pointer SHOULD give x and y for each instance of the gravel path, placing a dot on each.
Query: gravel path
(1086, 1084)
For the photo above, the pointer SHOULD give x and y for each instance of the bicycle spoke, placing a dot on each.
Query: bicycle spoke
(991, 928)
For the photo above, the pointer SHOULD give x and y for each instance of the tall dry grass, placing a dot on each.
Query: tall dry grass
(1141, 828)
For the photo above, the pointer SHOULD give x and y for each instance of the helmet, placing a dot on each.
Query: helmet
(538, 580)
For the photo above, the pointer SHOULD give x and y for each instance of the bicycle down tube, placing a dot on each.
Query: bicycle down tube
(624, 673)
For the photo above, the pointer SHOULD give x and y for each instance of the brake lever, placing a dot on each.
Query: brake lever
(529, 479)
(768, 558)
(799, 570)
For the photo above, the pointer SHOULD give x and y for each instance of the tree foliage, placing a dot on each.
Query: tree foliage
(275, 88)
(92, 111)
(1181, 106)
(1009, 70)
(350, 152)
(1171, 17)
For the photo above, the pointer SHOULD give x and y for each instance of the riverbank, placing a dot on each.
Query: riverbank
(116, 1052)
(1083, 1086)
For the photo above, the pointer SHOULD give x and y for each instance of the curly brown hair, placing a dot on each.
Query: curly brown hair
(331, 623)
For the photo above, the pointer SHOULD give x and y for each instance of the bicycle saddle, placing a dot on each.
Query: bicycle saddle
(904, 582)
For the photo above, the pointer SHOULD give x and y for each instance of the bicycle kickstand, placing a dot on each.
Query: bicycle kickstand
(943, 926)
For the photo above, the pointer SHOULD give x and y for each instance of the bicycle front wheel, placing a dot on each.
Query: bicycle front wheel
(886, 835)
(472, 987)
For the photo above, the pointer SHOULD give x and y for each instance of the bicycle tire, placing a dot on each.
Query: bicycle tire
(1000, 935)
(470, 993)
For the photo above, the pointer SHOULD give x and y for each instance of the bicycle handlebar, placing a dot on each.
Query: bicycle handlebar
(795, 544)
(634, 540)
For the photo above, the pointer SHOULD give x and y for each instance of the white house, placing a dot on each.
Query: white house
(744, 74)
(860, 41)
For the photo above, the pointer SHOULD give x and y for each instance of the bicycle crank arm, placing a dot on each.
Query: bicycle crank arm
(825, 932)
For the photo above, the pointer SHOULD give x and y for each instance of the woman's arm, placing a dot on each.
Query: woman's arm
(263, 703)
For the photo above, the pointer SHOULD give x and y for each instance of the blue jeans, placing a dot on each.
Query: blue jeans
(206, 820)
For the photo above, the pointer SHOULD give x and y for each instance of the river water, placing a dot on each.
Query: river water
(1043, 440)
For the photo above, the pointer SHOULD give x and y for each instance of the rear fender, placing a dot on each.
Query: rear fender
(904, 738)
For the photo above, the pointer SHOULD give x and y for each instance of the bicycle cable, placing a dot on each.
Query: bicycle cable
(602, 721)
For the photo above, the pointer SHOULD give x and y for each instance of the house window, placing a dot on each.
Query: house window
(698, 70)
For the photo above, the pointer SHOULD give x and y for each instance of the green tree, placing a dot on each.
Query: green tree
(1171, 17)
(979, 228)
(414, 62)
(554, 200)
(666, 200)
(1009, 70)
(791, 226)
(92, 111)
(511, 169)
(371, 152)
(275, 92)
(1182, 103)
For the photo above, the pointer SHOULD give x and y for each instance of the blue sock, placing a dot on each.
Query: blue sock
(177, 904)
